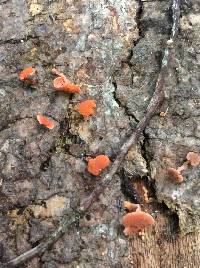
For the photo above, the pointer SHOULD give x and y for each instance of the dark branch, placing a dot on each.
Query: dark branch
(154, 104)
(42, 247)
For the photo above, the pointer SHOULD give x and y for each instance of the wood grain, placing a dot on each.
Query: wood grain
(163, 247)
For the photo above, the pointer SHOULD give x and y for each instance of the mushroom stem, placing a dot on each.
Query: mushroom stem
(56, 72)
(183, 167)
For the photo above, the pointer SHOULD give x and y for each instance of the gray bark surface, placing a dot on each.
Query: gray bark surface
(113, 49)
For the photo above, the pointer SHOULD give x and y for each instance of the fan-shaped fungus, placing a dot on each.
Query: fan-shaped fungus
(61, 83)
(193, 158)
(28, 75)
(86, 108)
(136, 221)
(96, 165)
(175, 175)
(43, 120)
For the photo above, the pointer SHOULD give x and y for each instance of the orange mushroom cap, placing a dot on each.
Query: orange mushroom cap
(136, 221)
(96, 165)
(175, 175)
(61, 83)
(86, 108)
(193, 158)
(93, 167)
(43, 120)
(102, 161)
(27, 75)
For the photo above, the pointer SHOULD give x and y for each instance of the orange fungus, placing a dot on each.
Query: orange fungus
(136, 221)
(175, 175)
(27, 75)
(193, 158)
(86, 108)
(61, 83)
(43, 120)
(96, 165)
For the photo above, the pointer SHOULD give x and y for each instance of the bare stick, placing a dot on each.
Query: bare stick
(154, 104)
(42, 247)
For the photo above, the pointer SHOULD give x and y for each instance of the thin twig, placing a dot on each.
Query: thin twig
(42, 247)
(154, 104)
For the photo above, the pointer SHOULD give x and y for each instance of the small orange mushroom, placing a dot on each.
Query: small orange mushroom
(43, 120)
(183, 167)
(163, 114)
(193, 158)
(61, 83)
(136, 221)
(131, 206)
(28, 75)
(175, 175)
(86, 108)
(103, 161)
(97, 164)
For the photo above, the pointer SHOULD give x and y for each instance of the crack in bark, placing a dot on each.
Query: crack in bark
(138, 16)
(144, 152)
(123, 106)
(13, 122)
(18, 41)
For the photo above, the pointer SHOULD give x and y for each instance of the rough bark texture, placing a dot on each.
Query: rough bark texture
(113, 50)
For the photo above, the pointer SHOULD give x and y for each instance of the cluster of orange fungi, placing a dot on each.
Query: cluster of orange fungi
(135, 220)
(193, 159)
(85, 108)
